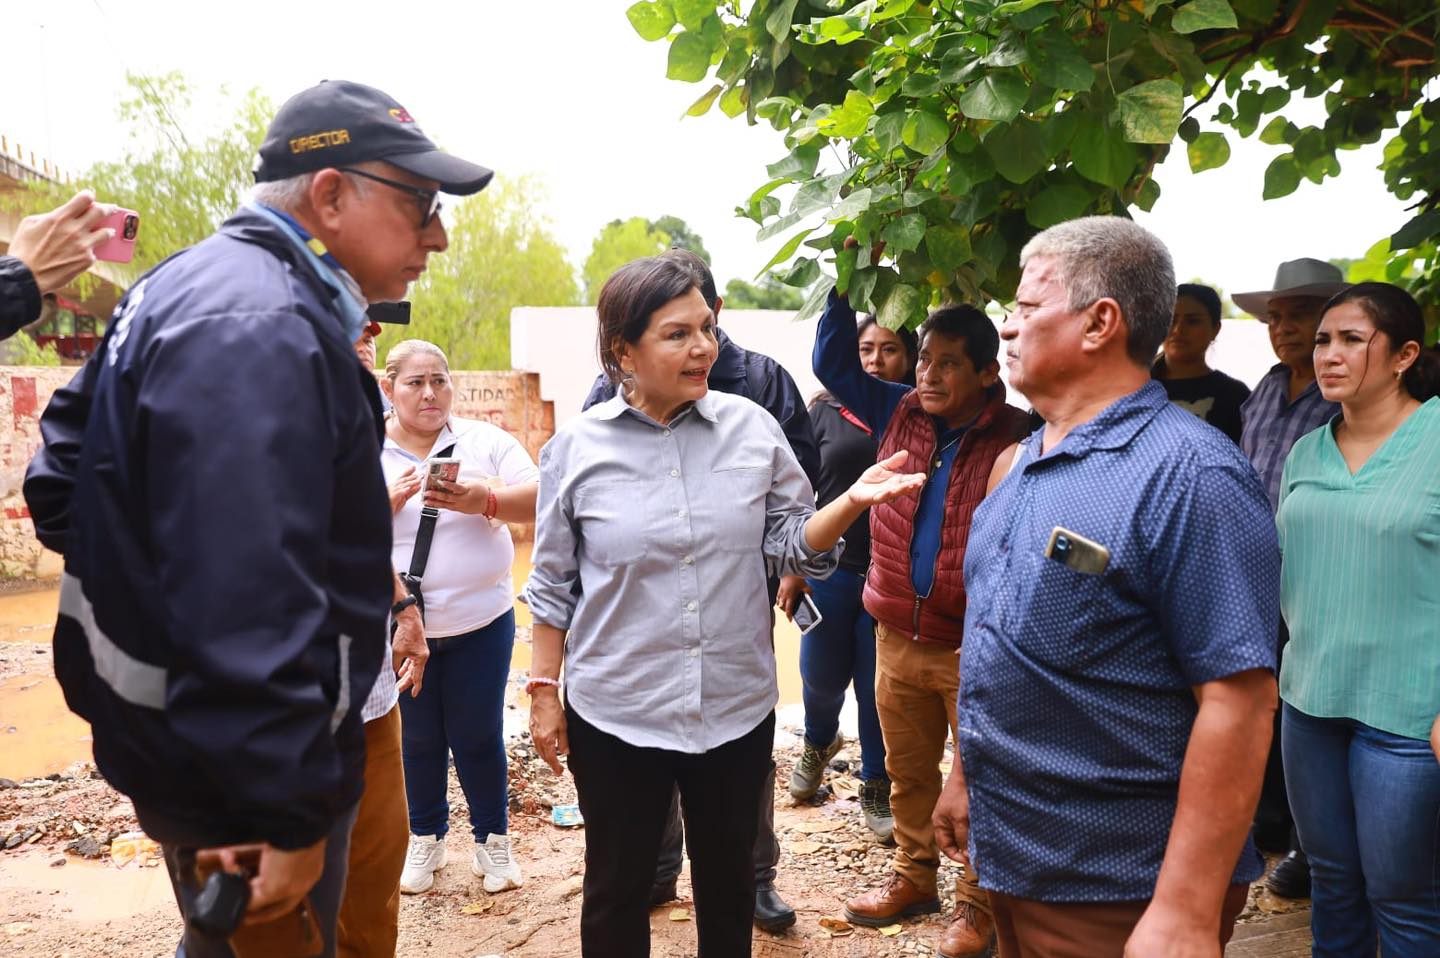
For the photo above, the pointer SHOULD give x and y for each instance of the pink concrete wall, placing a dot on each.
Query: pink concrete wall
(510, 400)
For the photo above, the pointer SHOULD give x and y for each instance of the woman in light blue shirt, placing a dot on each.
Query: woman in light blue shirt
(1360, 531)
(661, 514)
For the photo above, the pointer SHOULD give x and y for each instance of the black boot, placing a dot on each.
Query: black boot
(771, 912)
(1291, 878)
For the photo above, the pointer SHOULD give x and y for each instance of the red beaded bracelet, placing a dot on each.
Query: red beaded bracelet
(492, 505)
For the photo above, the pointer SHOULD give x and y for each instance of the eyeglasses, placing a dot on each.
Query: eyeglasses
(428, 200)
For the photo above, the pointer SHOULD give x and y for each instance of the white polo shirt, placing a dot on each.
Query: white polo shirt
(467, 579)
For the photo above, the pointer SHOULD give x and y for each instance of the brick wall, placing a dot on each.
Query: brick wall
(510, 400)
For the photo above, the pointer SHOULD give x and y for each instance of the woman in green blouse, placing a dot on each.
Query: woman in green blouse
(1360, 532)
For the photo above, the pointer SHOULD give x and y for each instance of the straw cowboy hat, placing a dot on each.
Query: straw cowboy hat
(1298, 277)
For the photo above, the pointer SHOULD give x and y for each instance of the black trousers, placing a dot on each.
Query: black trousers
(624, 793)
(767, 846)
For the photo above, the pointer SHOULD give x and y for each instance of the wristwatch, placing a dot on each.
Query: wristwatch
(403, 604)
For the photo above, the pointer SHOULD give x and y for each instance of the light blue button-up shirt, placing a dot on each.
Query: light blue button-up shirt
(652, 547)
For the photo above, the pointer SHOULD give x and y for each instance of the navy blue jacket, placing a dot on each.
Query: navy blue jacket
(212, 478)
(763, 381)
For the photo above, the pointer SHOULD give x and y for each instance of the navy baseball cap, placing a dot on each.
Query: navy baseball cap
(339, 123)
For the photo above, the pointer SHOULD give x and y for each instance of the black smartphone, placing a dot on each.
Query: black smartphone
(395, 313)
(806, 614)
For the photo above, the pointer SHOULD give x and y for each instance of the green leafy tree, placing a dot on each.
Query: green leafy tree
(618, 243)
(502, 255)
(769, 293)
(959, 128)
(681, 235)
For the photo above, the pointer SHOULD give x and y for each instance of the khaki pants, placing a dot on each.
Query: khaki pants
(1037, 929)
(370, 911)
(916, 685)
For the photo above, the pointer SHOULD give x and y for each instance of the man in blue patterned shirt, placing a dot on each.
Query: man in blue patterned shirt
(1117, 673)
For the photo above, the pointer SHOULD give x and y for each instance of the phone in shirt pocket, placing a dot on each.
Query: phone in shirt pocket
(1076, 552)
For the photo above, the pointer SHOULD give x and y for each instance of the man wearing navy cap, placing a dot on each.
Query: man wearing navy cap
(225, 524)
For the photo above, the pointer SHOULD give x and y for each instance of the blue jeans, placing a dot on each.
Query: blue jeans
(839, 650)
(1367, 806)
(460, 710)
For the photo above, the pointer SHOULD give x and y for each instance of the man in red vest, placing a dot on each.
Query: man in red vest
(953, 423)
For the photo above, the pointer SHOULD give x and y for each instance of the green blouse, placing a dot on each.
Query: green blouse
(1360, 580)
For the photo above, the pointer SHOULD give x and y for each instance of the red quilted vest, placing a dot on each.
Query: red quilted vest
(889, 595)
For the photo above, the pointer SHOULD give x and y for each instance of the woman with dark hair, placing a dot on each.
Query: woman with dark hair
(1360, 534)
(661, 512)
(840, 650)
(1182, 369)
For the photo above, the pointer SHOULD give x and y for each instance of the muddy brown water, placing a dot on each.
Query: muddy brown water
(47, 737)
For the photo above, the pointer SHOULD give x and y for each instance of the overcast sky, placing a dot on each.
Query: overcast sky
(566, 90)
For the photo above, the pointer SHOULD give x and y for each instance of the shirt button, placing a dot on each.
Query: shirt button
(690, 606)
(674, 473)
(681, 513)
(694, 653)
(688, 560)
(665, 433)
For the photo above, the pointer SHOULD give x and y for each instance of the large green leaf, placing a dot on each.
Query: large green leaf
(777, 24)
(1208, 151)
(1150, 111)
(998, 95)
(734, 100)
(1057, 203)
(1417, 231)
(1018, 150)
(1204, 15)
(1282, 176)
(904, 234)
(888, 129)
(948, 245)
(816, 300)
(702, 106)
(1100, 154)
(851, 119)
(925, 132)
(692, 13)
(788, 250)
(689, 58)
(904, 304)
(1016, 6)
(798, 165)
(851, 206)
(652, 19)
(890, 9)
(1059, 63)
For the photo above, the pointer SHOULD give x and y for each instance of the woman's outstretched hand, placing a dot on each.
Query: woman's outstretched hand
(883, 482)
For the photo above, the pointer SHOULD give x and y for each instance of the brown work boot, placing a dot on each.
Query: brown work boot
(970, 934)
(897, 898)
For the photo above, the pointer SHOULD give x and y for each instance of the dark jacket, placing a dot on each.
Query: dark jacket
(212, 477)
(847, 449)
(761, 380)
(889, 593)
(19, 296)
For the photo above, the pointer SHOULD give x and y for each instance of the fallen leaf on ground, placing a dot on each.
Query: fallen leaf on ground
(679, 914)
(133, 847)
(817, 827)
(890, 931)
(477, 907)
(836, 927)
(804, 848)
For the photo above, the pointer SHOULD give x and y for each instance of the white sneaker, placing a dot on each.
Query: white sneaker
(425, 857)
(496, 865)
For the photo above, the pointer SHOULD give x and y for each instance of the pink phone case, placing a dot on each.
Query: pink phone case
(119, 248)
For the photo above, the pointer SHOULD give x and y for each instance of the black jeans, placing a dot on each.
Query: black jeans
(624, 793)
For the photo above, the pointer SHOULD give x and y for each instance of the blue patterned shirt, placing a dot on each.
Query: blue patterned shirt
(1076, 698)
(1270, 424)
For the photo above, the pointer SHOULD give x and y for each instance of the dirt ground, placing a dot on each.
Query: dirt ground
(63, 892)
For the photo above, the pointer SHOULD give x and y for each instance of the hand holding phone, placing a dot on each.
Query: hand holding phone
(441, 469)
(119, 248)
(807, 614)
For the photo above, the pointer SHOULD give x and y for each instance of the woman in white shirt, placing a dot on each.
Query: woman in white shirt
(467, 600)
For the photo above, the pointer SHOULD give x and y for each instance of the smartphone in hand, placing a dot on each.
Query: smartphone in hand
(119, 248)
(441, 469)
(807, 614)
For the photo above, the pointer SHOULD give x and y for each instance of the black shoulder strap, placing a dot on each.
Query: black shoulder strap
(425, 533)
